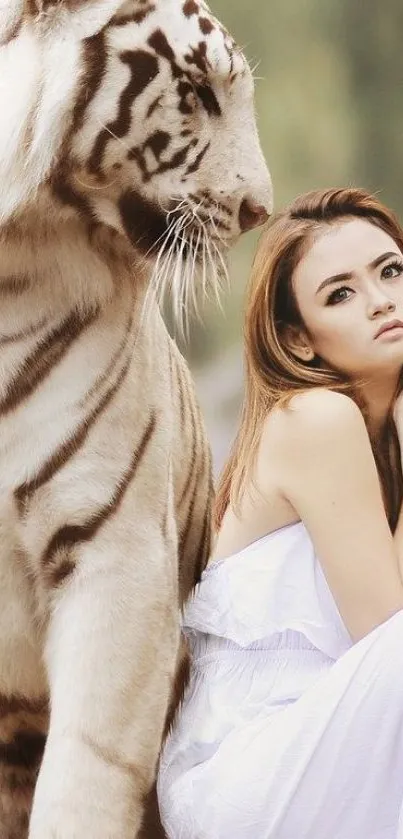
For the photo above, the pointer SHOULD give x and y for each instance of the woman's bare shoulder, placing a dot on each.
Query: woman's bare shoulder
(320, 455)
(314, 412)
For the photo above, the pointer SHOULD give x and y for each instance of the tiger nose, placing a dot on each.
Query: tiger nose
(251, 214)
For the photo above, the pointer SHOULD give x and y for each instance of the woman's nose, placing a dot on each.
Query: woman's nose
(381, 304)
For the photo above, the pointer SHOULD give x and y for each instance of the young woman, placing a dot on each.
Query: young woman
(292, 724)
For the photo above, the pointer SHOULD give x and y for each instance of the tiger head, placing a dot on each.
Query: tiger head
(138, 116)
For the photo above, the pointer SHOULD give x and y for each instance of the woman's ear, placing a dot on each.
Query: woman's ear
(298, 344)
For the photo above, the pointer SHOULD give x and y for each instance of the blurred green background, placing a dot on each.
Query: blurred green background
(329, 102)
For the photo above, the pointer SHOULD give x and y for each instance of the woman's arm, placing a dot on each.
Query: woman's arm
(398, 540)
(321, 456)
(398, 534)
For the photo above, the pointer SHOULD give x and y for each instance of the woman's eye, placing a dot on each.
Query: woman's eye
(394, 269)
(338, 296)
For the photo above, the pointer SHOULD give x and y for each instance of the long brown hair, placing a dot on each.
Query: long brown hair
(273, 374)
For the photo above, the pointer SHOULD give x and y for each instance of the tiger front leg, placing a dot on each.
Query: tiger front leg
(111, 649)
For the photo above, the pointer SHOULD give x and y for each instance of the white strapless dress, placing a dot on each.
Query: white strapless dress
(288, 730)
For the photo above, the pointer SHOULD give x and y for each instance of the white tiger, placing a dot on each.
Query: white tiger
(128, 156)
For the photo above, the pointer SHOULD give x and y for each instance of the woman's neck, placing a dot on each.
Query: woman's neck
(377, 398)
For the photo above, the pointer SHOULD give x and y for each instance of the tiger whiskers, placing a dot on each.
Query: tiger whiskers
(94, 188)
(159, 278)
(216, 259)
(224, 275)
(189, 263)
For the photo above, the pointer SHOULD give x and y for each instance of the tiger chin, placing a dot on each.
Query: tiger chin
(129, 164)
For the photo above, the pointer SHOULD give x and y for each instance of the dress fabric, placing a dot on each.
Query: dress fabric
(288, 730)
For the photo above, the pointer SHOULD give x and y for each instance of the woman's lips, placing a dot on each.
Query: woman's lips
(387, 327)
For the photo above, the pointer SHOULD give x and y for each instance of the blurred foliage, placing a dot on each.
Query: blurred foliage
(329, 101)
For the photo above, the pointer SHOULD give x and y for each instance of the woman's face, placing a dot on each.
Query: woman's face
(348, 286)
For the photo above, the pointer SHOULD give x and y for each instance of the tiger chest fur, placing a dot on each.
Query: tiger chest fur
(129, 163)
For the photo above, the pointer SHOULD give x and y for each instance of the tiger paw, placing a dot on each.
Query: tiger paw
(68, 822)
(81, 798)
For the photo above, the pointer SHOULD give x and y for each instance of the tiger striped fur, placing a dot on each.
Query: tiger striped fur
(129, 160)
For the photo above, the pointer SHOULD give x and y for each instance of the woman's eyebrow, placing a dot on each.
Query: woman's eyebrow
(348, 275)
